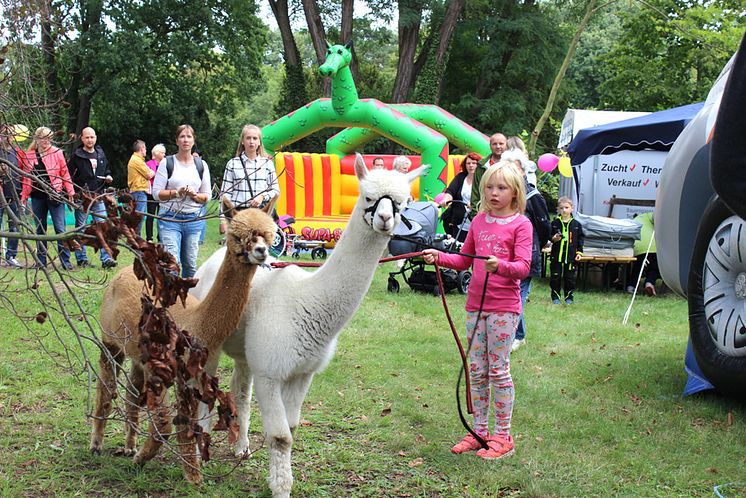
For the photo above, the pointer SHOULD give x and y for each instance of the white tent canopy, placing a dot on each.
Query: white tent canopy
(577, 119)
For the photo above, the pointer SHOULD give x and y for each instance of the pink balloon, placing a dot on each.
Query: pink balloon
(439, 197)
(547, 162)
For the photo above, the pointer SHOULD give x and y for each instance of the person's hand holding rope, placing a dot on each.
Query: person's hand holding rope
(430, 256)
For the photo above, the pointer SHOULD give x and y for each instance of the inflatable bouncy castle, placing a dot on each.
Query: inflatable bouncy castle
(319, 190)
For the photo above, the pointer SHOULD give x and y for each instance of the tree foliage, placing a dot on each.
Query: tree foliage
(146, 67)
(669, 53)
(504, 57)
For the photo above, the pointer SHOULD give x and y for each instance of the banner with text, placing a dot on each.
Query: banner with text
(626, 174)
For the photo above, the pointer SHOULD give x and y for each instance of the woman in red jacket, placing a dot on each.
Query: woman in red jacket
(49, 185)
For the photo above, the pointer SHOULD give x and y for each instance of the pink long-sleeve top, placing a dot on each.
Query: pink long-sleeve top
(509, 240)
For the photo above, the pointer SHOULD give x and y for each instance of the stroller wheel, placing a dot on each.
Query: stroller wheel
(278, 244)
(464, 277)
(393, 285)
(436, 291)
(318, 253)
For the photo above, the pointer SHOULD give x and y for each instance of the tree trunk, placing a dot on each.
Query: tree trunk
(318, 38)
(346, 32)
(590, 9)
(81, 91)
(289, 47)
(50, 65)
(453, 12)
(410, 18)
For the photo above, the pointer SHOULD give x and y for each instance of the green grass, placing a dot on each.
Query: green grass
(598, 408)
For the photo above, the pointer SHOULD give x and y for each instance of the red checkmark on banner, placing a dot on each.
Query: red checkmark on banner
(632, 168)
(645, 183)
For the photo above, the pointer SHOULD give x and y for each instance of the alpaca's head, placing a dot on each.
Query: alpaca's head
(250, 233)
(383, 195)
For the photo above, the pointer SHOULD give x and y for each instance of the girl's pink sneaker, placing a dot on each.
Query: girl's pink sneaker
(469, 443)
(499, 447)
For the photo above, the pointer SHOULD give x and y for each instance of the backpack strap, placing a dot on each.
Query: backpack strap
(169, 166)
(200, 166)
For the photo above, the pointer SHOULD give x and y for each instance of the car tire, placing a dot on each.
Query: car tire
(717, 299)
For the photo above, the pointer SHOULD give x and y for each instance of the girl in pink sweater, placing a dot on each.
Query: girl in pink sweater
(502, 234)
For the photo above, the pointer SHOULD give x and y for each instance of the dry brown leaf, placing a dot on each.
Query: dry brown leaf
(385, 412)
(416, 462)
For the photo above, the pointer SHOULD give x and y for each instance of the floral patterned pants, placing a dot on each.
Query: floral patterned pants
(490, 341)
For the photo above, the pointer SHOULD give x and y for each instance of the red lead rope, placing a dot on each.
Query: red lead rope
(464, 361)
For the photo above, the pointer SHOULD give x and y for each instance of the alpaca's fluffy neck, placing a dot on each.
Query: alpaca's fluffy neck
(341, 283)
(218, 314)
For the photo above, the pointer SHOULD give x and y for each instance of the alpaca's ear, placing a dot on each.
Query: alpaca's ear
(414, 173)
(229, 209)
(361, 171)
(270, 205)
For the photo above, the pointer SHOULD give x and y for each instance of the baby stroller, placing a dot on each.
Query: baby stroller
(423, 216)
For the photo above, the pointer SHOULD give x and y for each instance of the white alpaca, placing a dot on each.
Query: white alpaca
(290, 326)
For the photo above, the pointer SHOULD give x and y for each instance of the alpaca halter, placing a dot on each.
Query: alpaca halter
(372, 209)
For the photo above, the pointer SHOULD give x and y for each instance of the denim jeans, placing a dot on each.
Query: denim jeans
(40, 208)
(11, 249)
(520, 332)
(180, 237)
(202, 214)
(141, 206)
(81, 218)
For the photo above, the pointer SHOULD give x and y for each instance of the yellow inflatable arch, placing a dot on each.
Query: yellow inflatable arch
(320, 190)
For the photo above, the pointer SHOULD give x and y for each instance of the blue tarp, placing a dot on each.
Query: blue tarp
(656, 131)
(695, 379)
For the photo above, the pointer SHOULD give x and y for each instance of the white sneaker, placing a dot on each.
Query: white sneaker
(517, 343)
(13, 262)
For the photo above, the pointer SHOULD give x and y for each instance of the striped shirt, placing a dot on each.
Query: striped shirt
(246, 178)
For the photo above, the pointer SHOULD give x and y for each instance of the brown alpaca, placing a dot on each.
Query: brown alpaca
(209, 321)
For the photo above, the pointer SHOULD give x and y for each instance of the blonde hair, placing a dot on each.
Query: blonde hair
(513, 177)
(259, 150)
(565, 200)
(158, 148)
(41, 132)
(516, 143)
